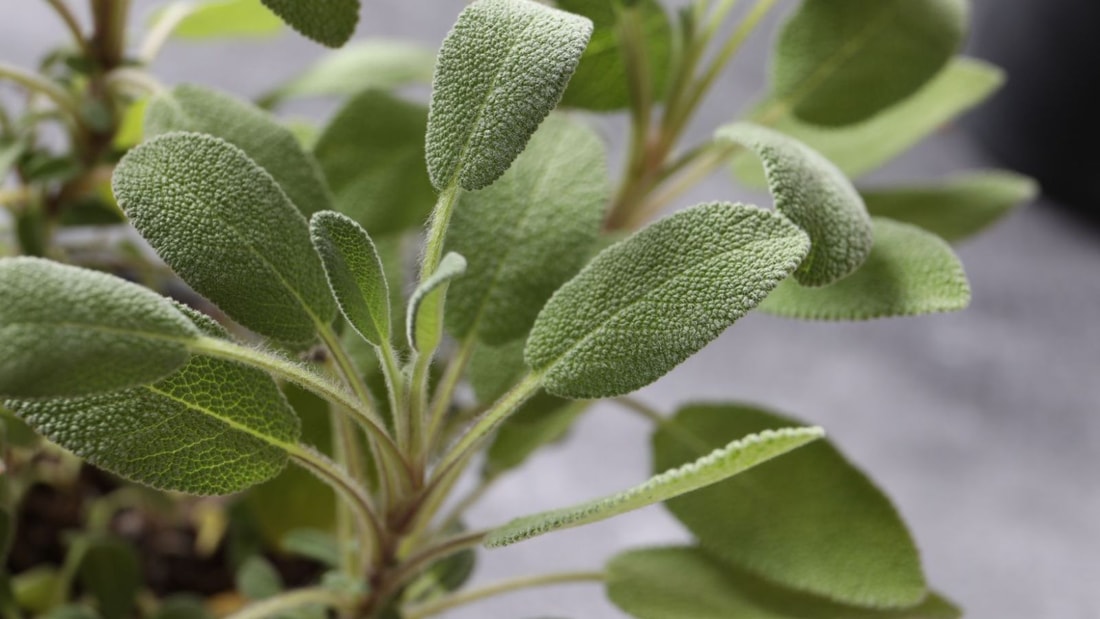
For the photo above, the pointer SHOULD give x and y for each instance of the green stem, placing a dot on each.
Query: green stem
(412, 566)
(158, 35)
(437, 230)
(65, 13)
(36, 84)
(455, 515)
(642, 409)
(371, 529)
(284, 603)
(352, 377)
(444, 394)
(460, 599)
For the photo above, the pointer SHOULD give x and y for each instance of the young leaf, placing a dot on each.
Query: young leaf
(329, 22)
(372, 154)
(214, 427)
(841, 61)
(221, 222)
(426, 304)
(909, 272)
(809, 521)
(646, 304)
(354, 273)
(384, 65)
(864, 147)
(711, 468)
(814, 194)
(528, 233)
(501, 70)
(222, 19)
(66, 331)
(957, 209)
(600, 82)
(660, 583)
(257, 133)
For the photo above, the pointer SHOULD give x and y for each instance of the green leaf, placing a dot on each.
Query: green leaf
(261, 137)
(863, 147)
(493, 370)
(223, 19)
(381, 64)
(500, 71)
(36, 589)
(810, 521)
(646, 304)
(214, 427)
(182, 606)
(814, 194)
(258, 580)
(66, 331)
(110, 573)
(354, 273)
(230, 232)
(528, 233)
(600, 82)
(841, 61)
(909, 272)
(423, 324)
(313, 544)
(660, 583)
(329, 22)
(956, 209)
(542, 420)
(372, 154)
(10, 152)
(720, 464)
(131, 128)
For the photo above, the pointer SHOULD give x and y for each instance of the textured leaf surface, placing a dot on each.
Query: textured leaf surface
(214, 427)
(909, 272)
(528, 233)
(600, 82)
(646, 304)
(866, 146)
(257, 133)
(500, 71)
(425, 315)
(684, 582)
(372, 154)
(711, 468)
(226, 18)
(841, 61)
(224, 225)
(957, 209)
(354, 273)
(329, 22)
(359, 66)
(66, 331)
(810, 521)
(814, 194)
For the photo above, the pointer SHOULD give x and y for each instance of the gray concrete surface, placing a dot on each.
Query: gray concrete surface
(983, 426)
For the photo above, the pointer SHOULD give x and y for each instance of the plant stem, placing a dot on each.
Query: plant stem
(642, 409)
(437, 230)
(370, 527)
(444, 393)
(293, 600)
(109, 32)
(415, 564)
(459, 599)
(65, 13)
(455, 515)
(159, 34)
(36, 84)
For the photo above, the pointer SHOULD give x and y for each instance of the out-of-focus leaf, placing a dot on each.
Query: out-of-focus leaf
(214, 19)
(379, 64)
(329, 22)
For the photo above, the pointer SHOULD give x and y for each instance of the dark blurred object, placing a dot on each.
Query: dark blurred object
(1045, 123)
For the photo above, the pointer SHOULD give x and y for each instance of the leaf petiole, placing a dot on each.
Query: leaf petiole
(435, 607)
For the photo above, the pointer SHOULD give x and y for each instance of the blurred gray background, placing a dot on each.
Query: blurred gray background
(983, 426)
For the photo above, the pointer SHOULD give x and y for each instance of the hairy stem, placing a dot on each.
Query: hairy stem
(444, 393)
(460, 599)
(293, 600)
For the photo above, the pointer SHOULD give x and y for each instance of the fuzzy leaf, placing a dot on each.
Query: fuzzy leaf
(600, 82)
(660, 583)
(357, 67)
(500, 71)
(372, 154)
(841, 61)
(909, 272)
(66, 331)
(814, 194)
(224, 225)
(426, 304)
(257, 133)
(493, 370)
(957, 209)
(864, 147)
(354, 273)
(810, 521)
(528, 233)
(329, 22)
(646, 304)
(712, 468)
(222, 19)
